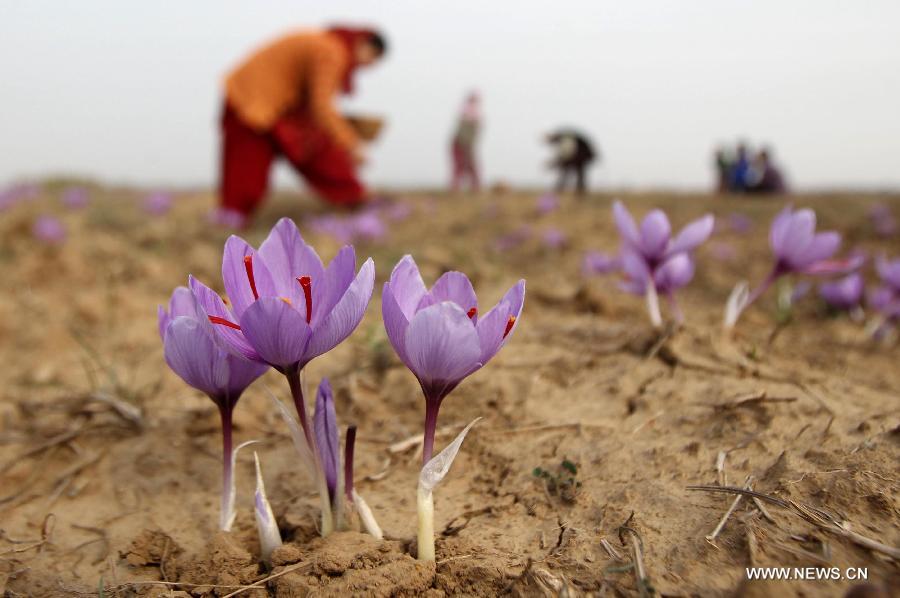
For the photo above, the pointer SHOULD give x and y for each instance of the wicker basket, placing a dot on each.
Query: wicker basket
(367, 127)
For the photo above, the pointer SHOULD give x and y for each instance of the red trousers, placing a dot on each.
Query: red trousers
(464, 166)
(247, 156)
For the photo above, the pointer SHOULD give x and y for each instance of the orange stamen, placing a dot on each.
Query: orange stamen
(248, 266)
(509, 325)
(472, 312)
(306, 285)
(223, 322)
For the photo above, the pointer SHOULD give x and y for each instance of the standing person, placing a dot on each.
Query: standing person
(766, 176)
(462, 148)
(573, 152)
(723, 170)
(740, 170)
(280, 102)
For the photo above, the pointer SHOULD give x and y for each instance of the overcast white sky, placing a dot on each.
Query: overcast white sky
(129, 91)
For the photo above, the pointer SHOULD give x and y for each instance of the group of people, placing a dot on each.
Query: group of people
(280, 102)
(740, 171)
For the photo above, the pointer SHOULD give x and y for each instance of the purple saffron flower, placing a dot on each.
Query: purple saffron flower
(21, 192)
(49, 230)
(653, 240)
(798, 248)
(886, 298)
(227, 218)
(886, 301)
(75, 198)
(157, 203)
(399, 211)
(286, 307)
(547, 203)
(194, 352)
(650, 254)
(332, 226)
(740, 223)
(883, 220)
(368, 226)
(327, 441)
(843, 294)
(439, 334)
(513, 239)
(889, 272)
(554, 238)
(597, 262)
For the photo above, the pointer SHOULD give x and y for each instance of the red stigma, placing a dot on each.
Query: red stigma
(509, 325)
(306, 285)
(223, 322)
(248, 266)
(472, 312)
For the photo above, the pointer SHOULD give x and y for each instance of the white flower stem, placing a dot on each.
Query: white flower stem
(425, 504)
(653, 305)
(325, 502)
(367, 517)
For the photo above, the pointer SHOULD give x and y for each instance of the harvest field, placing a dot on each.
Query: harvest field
(575, 481)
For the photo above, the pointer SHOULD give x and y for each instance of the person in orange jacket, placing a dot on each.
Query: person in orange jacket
(280, 102)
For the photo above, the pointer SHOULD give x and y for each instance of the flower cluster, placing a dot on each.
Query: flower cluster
(284, 309)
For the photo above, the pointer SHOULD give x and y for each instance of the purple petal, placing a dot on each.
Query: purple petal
(241, 374)
(287, 257)
(888, 271)
(407, 286)
(395, 322)
(634, 266)
(625, 223)
(276, 331)
(181, 303)
(443, 348)
(332, 285)
(210, 304)
(655, 233)
(455, 287)
(596, 262)
(880, 298)
(192, 354)
(692, 235)
(237, 282)
(821, 247)
(491, 328)
(675, 273)
(844, 293)
(797, 236)
(326, 433)
(346, 315)
(162, 321)
(779, 229)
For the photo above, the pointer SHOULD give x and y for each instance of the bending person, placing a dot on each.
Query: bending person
(573, 153)
(280, 102)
